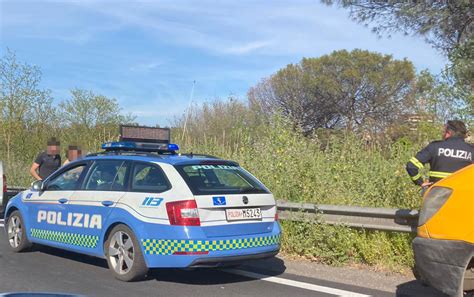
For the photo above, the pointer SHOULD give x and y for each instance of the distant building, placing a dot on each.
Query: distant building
(413, 120)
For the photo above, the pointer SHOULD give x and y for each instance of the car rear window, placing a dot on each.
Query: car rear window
(219, 179)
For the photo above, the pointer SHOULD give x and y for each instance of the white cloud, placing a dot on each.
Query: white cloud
(296, 27)
(145, 67)
(227, 28)
(247, 48)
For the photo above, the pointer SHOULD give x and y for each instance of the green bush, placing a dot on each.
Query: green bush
(338, 245)
(340, 170)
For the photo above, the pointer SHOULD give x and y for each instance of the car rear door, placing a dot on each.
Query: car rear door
(149, 190)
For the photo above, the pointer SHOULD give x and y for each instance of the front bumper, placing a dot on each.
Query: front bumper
(442, 263)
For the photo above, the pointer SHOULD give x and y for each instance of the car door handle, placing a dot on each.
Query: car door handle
(62, 200)
(107, 203)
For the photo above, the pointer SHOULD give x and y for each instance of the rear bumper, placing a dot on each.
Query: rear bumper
(441, 263)
(210, 251)
(231, 260)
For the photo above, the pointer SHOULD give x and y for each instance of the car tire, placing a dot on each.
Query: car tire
(16, 233)
(124, 255)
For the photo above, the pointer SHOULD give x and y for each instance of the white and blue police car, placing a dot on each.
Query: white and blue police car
(141, 205)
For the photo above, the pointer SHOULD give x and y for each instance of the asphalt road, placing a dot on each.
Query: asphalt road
(51, 270)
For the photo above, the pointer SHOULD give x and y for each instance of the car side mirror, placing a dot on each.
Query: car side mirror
(38, 185)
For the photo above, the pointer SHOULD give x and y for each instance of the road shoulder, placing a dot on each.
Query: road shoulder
(402, 285)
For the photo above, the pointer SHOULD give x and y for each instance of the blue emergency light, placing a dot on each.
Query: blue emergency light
(173, 147)
(118, 145)
(140, 146)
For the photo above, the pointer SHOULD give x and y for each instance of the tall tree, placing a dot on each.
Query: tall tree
(90, 118)
(354, 90)
(21, 101)
(444, 24)
(447, 25)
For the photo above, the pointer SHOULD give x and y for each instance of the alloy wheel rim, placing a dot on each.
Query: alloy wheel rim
(14, 231)
(121, 252)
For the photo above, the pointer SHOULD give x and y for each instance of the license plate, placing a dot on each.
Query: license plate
(240, 214)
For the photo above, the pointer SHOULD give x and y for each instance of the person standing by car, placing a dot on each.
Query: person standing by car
(445, 156)
(73, 153)
(47, 162)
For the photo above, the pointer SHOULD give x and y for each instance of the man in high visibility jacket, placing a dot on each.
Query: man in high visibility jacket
(444, 156)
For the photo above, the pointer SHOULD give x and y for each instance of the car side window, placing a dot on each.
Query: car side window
(107, 175)
(66, 181)
(149, 178)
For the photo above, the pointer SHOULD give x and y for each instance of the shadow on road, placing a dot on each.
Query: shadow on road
(271, 266)
(200, 277)
(416, 288)
(70, 255)
(215, 276)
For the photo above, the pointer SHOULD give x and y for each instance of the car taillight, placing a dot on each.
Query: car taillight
(433, 202)
(4, 184)
(183, 213)
(276, 216)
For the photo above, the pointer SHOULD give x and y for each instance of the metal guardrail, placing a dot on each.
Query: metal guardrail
(382, 219)
(16, 189)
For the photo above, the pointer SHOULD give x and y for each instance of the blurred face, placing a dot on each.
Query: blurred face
(52, 149)
(73, 154)
(446, 133)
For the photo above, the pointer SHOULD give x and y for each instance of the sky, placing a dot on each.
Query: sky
(146, 54)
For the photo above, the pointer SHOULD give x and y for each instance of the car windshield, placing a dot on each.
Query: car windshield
(219, 179)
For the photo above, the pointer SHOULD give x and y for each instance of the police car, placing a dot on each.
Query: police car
(141, 205)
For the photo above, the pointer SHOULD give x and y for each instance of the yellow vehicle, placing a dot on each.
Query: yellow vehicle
(444, 247)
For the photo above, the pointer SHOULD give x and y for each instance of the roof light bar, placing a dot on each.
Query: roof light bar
(140, 146)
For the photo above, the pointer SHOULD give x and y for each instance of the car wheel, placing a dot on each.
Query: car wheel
(468, 279)
(124, 255)
(16, 233)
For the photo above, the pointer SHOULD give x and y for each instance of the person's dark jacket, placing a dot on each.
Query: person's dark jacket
(47, 164)
(444, 157)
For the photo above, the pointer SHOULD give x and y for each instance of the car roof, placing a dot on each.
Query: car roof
(172, 159)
